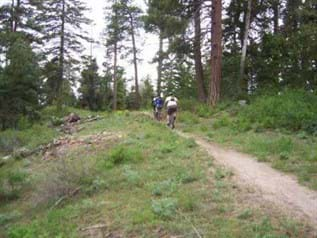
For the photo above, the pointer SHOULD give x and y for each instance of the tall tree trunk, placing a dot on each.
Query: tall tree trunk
(276, 15)
(197, 53)
(216, 52)
(17, 15)
(61, 58)
(160, 62)
(244, 47)
(115, 83)
(12, 16)
(135, 62)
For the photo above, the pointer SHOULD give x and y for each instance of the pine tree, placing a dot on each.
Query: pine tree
(147, 92)
(19, 19)
(122, 92)
(163, 18)
(21, 16)
(50, 73)
(63, 21)
(130, 16)
(114, 36)
(199, 73)
(19, 85)
(90, 85)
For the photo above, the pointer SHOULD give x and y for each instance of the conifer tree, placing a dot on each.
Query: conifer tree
(163, 18)
(90, 85)
(114, 36)
(131, 18)
(63, 21)
(19, 84)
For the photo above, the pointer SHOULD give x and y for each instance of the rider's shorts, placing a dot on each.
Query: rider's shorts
(171, 110)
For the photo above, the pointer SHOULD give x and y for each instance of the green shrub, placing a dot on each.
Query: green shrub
(11, 185)
(165, 187)
(293, 110)
(187, 201)
(122, 153)
(56, 121)
(24, 123)
(53, 111)
(132, 176)
(188, 105)
(284, 145)
(16, 179)
(188, 118)
(96, 185)
(311, 127)
(165, 207)
(243, 124)
(223, 121)
(204, 110)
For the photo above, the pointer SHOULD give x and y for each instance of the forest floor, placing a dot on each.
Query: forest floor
(129, 176)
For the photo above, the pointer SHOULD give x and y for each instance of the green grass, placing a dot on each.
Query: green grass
(29, 138)
(148, 182)
(38, 134)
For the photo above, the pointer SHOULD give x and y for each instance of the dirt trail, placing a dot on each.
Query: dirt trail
(273, 186)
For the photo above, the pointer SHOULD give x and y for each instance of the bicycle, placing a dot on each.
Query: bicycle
(158, 114)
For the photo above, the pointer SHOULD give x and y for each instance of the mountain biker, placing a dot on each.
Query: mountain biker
(158, 104)
(171, 107)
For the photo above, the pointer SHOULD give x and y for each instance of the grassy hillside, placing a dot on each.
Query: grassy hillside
(132, 177)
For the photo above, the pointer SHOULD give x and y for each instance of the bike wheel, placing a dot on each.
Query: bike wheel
(171, 121)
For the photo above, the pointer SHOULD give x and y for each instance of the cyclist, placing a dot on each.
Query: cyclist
(158, 104)
(171, 107)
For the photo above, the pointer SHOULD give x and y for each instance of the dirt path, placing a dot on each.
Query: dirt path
(271, 185)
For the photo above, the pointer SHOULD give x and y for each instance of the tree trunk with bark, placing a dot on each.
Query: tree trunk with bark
(216, 52)
(135, 62)
(12, 16)
(61, 58)
(199, 74)
(276, 15)
(244, 47)
(115, 83)
(160, 63)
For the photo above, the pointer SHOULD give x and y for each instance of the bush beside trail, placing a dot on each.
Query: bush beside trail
(292, 110)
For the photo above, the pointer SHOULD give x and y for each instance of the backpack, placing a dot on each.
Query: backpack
(159, 102)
